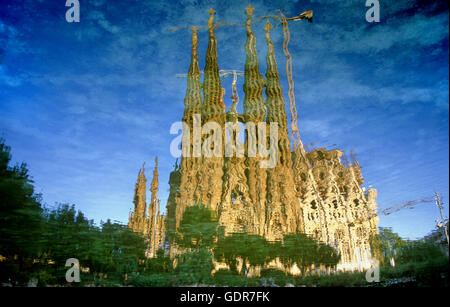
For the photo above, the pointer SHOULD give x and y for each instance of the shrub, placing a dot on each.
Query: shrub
(277, 276)
(343, 279)
(152, 280)
(229, 278)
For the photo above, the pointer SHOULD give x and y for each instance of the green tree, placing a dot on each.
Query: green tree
(304, 251)
(418, 251)
(66, 234)
(386, 244)
(160, 264)
(198, 228)
(113, 249)
(122, 250)
(196, 237)
(253, 250)
(20, 217)
(298, 249)
(327, 256)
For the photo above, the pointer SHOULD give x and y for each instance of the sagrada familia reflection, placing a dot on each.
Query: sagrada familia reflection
(313, 192)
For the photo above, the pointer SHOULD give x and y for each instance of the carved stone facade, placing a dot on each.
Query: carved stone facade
(153, 225)
(310, 192)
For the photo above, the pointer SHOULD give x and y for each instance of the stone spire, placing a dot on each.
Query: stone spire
(153, 211)
(254, 111)
(193, 105)
(282, 203)
(275, 103)
(254, 83)
(193, 98)
(212, 88)
(152, 208)
(210, 181)
(137, 218)
(152, 227)
(185, 180)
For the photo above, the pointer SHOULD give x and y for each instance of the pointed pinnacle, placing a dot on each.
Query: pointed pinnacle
(268, 26)
(211, 19)
(249, 10)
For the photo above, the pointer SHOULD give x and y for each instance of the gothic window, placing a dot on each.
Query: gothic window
(313, 205)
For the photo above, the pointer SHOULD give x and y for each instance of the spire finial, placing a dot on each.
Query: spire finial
(142, 170)
(268, 26)
(194, 38)
(211, 19)
(249, 11)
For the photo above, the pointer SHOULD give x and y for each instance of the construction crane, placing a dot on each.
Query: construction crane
(308, 15)
(406, 205)
(443, 222)
(440, 223)
(295, 135)
(222, 73)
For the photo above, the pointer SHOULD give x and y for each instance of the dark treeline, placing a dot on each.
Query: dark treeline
(36, 242)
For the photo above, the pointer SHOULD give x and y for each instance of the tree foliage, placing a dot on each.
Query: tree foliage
(20, 210)
(198, 228)
(252, 250)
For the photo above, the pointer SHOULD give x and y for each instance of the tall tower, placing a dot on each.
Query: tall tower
(283, 207)
(191, 164)
(213, 119)
(254, 112)
(186, 180)
(153, 212)
(152, 227)
(137, 218)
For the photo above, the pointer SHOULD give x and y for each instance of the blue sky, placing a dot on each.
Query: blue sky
(85, 104)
